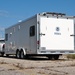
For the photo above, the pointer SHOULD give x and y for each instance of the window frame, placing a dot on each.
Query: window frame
(32, 31)
(6, 37)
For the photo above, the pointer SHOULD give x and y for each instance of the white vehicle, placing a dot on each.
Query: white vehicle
(2, 44)
(45, 34)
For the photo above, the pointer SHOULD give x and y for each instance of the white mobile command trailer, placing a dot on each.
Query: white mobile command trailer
(45, 34)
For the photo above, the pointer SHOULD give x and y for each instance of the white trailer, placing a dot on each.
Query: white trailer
(46, 34)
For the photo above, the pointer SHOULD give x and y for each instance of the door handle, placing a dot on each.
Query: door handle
(42, 34)
(72, 35)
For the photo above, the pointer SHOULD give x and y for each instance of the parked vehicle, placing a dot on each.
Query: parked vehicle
(2, 45)
(45, 34)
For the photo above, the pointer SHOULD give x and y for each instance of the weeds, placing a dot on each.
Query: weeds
(71, 56)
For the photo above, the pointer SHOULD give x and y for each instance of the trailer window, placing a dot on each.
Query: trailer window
(32, 31)
(6, 37)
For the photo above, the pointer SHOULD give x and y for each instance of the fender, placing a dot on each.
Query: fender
(24, 50)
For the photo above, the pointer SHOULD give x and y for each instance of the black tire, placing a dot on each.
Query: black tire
(2, 54)
(22, 54)
(56, 57)
(18, 54)
(50, 57)
(7, 55)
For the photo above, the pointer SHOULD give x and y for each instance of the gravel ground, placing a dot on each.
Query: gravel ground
(36, 66)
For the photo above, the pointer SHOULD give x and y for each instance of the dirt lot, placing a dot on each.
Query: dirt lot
(36, 66)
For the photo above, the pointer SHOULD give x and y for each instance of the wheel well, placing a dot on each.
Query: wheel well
(17, 50)
(23, 51)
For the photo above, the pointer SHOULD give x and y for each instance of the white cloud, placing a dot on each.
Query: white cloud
(2, 29)
(4, 13)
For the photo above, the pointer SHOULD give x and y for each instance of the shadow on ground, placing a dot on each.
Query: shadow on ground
(35, 58)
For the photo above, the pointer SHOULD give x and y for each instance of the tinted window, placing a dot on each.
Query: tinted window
(32, 30)
(6, 37)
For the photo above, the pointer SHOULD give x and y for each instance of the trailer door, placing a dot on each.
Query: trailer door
(32, 40)
(56, 33)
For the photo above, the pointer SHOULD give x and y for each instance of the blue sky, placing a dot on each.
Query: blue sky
(11, 11)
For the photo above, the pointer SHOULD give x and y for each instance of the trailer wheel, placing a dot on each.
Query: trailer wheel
(2, 54)
(49, 57)
(7, 55)
(18, 54)
(56, 57)
(22, 54)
